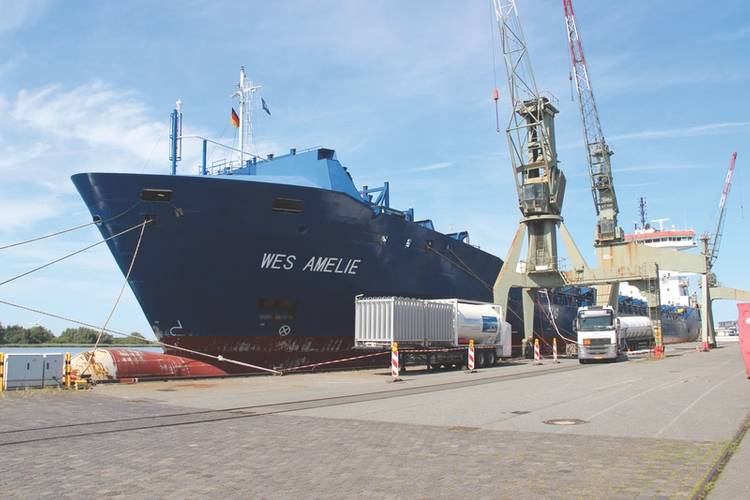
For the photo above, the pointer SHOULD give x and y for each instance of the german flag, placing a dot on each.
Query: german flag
(235, 119)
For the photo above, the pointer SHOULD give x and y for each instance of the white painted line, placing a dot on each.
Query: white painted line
(658, 387)
(688, 407)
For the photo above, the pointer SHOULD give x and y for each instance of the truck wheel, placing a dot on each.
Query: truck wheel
(481, 358)
(491, 359)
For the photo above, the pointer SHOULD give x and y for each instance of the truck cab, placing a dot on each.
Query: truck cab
(597, 333)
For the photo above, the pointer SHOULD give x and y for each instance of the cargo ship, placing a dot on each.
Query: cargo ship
(260, 259)
(680, 314)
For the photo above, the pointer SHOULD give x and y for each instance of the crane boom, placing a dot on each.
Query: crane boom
(598, 152)
(716, 243)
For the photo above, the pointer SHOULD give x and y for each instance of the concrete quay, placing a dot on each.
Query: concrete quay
(641, 428)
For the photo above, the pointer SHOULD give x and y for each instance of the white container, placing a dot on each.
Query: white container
(440, 322)
(382, 320)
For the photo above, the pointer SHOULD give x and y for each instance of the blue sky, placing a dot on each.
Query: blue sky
(400, 89)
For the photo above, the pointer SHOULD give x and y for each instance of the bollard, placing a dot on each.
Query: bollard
(554, 350)
(66, 373)
(394, 362)
(537, 353)
(2, 372)
(470, 363)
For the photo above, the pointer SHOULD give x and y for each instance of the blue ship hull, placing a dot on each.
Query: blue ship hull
(220, 270)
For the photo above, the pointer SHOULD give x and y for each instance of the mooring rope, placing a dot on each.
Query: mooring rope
(119, 295)
(127, 335)
(124, 284)
(70, 229)
(72, 254)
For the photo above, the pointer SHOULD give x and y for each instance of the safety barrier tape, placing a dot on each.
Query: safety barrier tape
(343, 360)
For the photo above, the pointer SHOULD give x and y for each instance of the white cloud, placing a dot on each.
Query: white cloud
(12, 156)
(18, 13)
(677, 133)
(732, 36)
(95, 113)
(656, 167)
(433, 166)
(20, 212)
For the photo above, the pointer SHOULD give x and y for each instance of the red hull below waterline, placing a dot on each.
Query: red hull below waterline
(300, 353)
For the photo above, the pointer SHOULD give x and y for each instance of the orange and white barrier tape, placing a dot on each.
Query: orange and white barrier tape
(537, 353)
(470, 363)
(333, 362)
(394, 362)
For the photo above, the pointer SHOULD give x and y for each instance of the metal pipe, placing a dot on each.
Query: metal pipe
(203, 157)
(212, 142)
(173, 139)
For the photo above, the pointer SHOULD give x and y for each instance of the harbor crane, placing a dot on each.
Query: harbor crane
(613, 252)
(715, 241)
(598, 151)
(540, 184)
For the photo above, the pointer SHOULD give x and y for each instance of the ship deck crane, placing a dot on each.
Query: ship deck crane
(598, 152)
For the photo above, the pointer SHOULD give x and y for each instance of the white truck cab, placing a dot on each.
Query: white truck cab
(597, 333)
(604, 335)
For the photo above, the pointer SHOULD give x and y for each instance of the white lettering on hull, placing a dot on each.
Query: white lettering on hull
(315, 264)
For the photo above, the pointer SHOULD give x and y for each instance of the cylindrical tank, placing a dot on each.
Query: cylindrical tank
(119, 364)
(480, 322)
(635, 328)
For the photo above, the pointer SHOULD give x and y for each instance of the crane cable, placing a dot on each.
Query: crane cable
(68, 230)
(495, 91)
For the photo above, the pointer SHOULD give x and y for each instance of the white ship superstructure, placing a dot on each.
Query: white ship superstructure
(674, 287)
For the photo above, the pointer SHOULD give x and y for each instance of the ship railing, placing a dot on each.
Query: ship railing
(223, 167)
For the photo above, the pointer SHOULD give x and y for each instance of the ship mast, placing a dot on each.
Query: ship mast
(244, 93)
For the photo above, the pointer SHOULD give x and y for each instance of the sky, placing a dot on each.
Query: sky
(401, 90)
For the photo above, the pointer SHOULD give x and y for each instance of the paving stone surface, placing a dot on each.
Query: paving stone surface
(652, 430)
(291, 456)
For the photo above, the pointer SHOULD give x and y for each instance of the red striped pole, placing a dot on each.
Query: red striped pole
(537, 353)
(470, 364)
(394, 362)
(554, 350)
